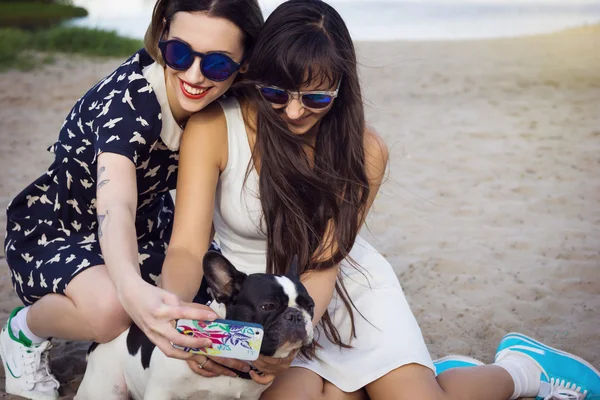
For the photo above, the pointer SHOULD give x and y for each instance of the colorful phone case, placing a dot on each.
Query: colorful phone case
(231, 339)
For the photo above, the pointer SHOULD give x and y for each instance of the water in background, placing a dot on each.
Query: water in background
(394, 19)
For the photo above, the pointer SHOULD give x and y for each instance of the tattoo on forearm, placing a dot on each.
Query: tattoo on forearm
(103, 182)
(101, 218)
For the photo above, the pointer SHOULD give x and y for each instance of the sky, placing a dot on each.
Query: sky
(394, 19)
(137, 5)
(271, 3)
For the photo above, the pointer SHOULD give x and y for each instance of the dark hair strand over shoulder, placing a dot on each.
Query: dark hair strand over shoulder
(312, 209)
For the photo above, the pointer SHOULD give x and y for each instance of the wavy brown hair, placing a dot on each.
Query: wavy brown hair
(305, 43)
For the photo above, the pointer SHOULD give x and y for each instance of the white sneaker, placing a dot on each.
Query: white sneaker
(26, 366)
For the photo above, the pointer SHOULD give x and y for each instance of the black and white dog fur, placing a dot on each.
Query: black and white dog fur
(133, 367)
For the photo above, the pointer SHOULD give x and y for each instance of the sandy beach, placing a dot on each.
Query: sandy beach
(490, 213)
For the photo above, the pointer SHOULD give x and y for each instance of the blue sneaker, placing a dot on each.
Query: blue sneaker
(454, 361)
(564, 376)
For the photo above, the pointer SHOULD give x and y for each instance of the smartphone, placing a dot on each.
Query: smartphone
(231, 339)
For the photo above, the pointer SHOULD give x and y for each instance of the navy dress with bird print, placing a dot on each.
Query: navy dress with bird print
(52, 228)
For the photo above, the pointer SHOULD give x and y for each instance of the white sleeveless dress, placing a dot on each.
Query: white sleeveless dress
(386, 340)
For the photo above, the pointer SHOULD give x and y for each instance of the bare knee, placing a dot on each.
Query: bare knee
(295, 384)
(108, 320)
(279, 394)
(96, 300)
(302, 384)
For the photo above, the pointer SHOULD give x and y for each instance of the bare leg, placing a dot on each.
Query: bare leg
(90, 310)
(414, 381)
(301, 383)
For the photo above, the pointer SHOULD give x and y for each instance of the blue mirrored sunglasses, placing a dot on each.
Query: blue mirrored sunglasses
(215, 66)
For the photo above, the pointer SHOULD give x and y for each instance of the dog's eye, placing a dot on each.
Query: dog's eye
(268, 307)
(311, 309)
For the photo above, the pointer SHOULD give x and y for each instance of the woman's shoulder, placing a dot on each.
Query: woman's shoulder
(376, 149)
(205, 137)
(121, 112)
(212, 115)
(124, 96)
(207, 127)
(125, 86)
(217, 114)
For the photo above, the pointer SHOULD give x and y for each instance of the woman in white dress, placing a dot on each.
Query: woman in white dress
(289, 168)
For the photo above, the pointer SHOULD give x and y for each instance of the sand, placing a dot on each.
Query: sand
(490, 213)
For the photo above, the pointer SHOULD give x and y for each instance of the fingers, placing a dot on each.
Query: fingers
(196, 305)
(166, 347)
(216, 368)
(194, 366)
(173, 308)
(269, 362)
(163, 342)
(291, 356)
(267, 368)
(263, 380)
(174, 336)
(232, 363)
(158, 324)
(170, 299)
(272, 361)
(194, 311)
(184, 311)
(260, 364)
(271, 365)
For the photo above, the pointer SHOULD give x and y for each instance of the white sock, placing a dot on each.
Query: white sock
(524, 372)
(19, 323)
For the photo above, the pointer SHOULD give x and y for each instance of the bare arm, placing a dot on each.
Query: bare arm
(116, 202)
(321, 284)
(151, 308)
(202, 156)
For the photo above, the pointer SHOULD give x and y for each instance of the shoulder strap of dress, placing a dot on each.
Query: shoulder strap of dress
(237, 139)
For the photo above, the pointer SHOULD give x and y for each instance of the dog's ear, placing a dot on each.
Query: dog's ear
(292, 272)
(222, 278)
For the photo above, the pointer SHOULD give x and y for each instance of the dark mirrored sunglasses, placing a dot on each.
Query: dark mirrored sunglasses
(215, 66)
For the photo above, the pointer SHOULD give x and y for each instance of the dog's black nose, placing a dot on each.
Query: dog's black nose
(294, 315)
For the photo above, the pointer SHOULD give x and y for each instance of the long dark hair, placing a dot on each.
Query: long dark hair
(303, 43)
(245, 14)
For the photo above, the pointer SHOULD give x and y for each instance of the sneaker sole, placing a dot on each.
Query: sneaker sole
(544, 346)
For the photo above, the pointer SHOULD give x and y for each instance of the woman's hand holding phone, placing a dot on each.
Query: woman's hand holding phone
(154, 309)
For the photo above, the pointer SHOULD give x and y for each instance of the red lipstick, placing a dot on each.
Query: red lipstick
(193, 96)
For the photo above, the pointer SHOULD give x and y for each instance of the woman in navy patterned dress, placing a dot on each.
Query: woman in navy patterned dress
(86, 241)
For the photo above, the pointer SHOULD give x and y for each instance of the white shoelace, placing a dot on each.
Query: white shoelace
(37, 366)
(561, 390)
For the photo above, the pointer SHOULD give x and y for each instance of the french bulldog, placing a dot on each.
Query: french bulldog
(131, 366)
